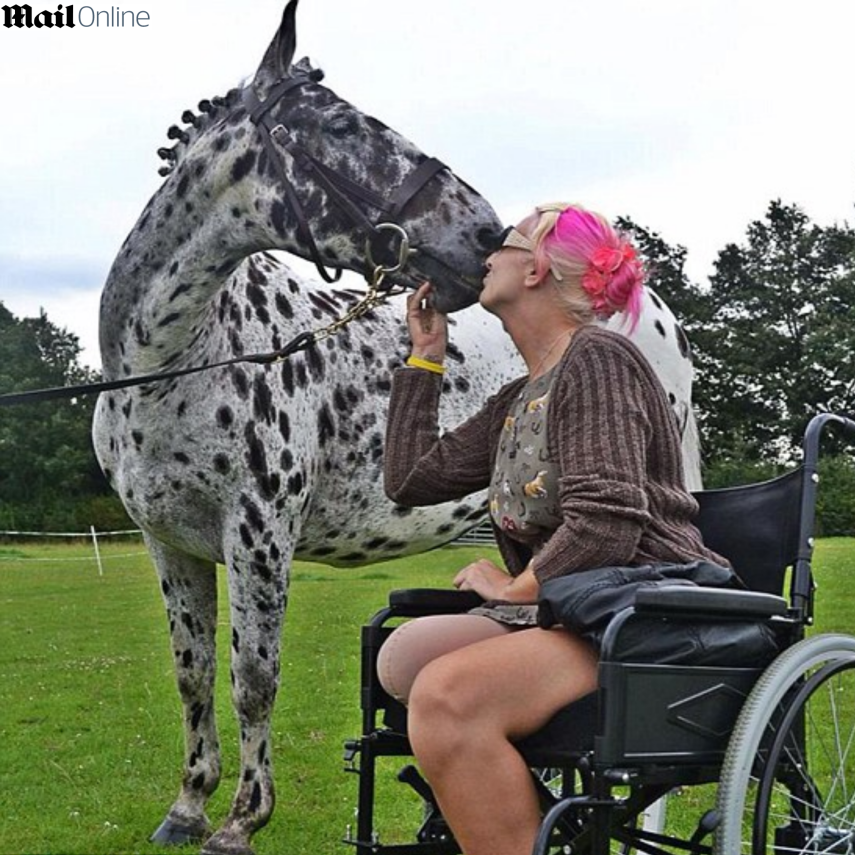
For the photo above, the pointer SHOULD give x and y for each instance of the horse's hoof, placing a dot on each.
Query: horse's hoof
(223, 843)
(177, 833)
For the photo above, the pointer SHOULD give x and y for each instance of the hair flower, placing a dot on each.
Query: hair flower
(606, 259)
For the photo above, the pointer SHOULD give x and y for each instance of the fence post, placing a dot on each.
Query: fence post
(97, 552)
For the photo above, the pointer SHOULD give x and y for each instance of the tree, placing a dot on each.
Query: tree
(771, 336)
(777, 338)
(46, 455)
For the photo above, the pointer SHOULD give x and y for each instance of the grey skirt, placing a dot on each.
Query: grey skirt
(519, 616)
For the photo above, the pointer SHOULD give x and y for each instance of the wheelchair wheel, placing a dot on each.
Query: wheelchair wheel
(788, 779)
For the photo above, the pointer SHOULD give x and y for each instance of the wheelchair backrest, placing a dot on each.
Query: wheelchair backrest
(756, 527)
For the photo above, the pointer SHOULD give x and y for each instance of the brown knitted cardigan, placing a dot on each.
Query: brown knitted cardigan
(615, 440)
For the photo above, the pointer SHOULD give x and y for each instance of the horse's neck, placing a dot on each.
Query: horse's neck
(159, 291)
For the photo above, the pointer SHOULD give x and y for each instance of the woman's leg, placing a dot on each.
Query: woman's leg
(467, 706)
(415, 643)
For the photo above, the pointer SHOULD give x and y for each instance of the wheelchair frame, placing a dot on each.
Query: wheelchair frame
(744, 727)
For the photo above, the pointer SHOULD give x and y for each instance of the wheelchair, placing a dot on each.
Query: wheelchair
(777, 743)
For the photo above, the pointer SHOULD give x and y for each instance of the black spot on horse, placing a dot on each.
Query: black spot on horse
(183, 288)
(262, 402)
(241, 382)
(656, 301)
(315, 362)
(222, 464)
(326, 425)
(286, 460)
(295, 484)
(255, 455)
(225, 417)
(183, 184)
(142, 335)
(277, 217)
(171, 318)
(137, 437)
(323, 551)
(659, 328)
(243, 166)
(181, 457)
(283, 306)
(284, 426)
(253, 513)
(288, 377)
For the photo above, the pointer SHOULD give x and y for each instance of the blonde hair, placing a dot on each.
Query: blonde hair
(595, 268)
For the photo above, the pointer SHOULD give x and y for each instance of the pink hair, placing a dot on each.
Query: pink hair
(603, 260)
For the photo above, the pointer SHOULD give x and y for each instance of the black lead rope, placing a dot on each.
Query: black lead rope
(300, 342)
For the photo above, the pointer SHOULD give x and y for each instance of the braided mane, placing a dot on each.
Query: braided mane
(210, 111)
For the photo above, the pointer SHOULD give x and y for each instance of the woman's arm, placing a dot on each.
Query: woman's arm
(420, 467)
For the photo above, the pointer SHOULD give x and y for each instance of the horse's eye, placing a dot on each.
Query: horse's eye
(341, 126)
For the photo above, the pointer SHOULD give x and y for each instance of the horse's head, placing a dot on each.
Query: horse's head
(320, 176)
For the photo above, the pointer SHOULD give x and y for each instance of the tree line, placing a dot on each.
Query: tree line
(771, 333)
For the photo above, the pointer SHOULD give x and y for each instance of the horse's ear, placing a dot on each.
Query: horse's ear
(280, 53)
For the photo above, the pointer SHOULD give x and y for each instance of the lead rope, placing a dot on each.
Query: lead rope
(374, 297)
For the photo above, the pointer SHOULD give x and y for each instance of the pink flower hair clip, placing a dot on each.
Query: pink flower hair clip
(604, 263)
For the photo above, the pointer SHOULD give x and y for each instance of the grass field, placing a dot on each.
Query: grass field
(90, 736)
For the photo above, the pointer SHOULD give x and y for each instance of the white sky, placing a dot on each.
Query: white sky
(687, 115)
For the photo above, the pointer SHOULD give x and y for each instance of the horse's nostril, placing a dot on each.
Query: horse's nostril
(488, 239)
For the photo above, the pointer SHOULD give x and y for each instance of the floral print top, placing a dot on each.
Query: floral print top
(523, 492)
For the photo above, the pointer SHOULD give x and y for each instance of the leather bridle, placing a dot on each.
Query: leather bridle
(348, 195)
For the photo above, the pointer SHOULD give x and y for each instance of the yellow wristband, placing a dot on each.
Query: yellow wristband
(418, 362)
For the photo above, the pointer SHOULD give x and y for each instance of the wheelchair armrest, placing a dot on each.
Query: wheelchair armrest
(711, 603)
(416, 602)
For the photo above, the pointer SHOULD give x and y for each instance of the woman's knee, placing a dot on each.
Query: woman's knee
(444, 709)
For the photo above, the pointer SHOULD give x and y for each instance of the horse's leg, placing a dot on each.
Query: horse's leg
(257, 597)
(189, 587)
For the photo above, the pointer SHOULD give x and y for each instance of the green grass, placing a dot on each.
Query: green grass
(90, 735)
(90, 727)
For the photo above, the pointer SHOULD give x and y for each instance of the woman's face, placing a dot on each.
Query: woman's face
(506, 269)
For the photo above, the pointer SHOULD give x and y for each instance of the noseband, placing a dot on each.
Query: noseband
(345, 193)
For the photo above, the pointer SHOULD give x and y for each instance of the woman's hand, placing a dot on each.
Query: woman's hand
(493, 583)
(428, 328)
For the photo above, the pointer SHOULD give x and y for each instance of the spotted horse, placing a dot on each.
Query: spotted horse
(250, 465)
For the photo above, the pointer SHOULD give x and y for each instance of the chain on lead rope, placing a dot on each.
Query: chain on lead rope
(376, 295)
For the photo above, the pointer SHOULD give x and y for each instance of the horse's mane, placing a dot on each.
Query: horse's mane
(210, 111)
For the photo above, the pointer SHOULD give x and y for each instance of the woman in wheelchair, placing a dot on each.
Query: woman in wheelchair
(582, 463)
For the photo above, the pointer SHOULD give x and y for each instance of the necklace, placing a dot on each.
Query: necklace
(532, 375)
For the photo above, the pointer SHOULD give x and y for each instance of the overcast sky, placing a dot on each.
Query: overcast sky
(687, 115)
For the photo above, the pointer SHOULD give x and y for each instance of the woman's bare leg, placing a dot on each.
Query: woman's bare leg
(467, 706)
(415, 643)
